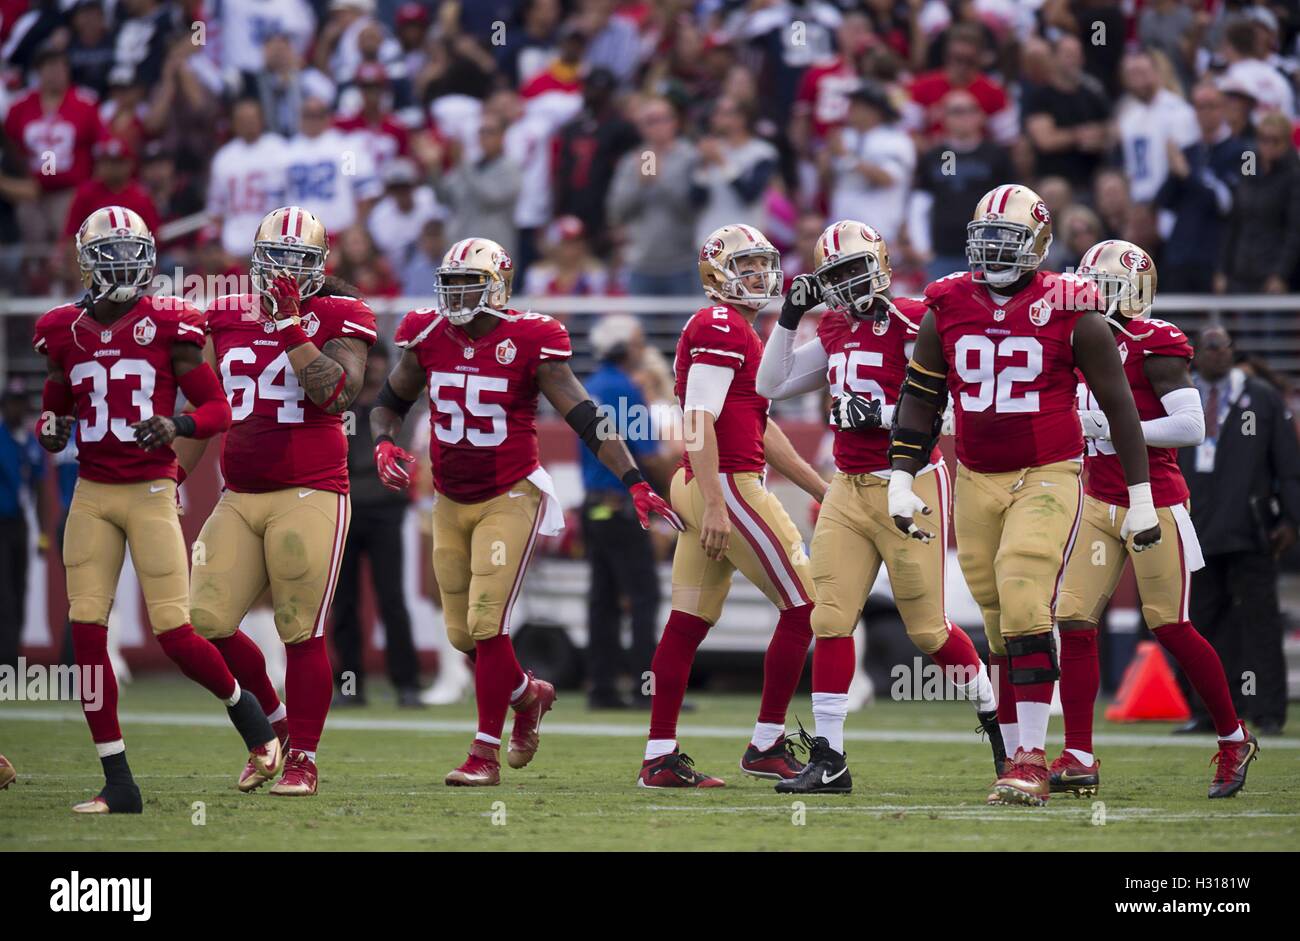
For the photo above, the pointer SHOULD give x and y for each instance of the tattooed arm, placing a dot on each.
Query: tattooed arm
(331, 376)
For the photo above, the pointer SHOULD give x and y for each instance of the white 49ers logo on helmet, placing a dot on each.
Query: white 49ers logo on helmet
(1041, 212)
(506, 352)
(503, 262)
(1135, 261)
(870, 234)
(145, 331)
(711, 248)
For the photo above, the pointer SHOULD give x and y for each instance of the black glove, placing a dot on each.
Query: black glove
(855, 412)
(804, 294)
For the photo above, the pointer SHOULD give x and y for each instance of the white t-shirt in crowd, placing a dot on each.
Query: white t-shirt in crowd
(244, 26)
(1145, 129)
(246, 182)
(328, 174)
(852, 197)
(395, 231)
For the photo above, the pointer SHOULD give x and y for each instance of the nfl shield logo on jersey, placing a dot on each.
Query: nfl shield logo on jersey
(880, 327)
(310, 324)
(506, 352)
(1040, 312)
(145, 331)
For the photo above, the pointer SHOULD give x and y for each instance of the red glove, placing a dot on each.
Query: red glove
(647, 501)
(282, 298)
(389, 459)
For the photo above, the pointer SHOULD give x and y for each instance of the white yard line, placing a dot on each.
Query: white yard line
(611, 730)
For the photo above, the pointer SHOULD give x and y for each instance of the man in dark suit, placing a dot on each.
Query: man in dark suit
(1245, 495)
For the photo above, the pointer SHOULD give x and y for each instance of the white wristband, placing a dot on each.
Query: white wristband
(1139, 495)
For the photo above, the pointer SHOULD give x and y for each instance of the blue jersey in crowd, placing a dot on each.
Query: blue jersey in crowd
(617, 395)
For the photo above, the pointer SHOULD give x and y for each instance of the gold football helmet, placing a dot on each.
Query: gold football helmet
(116, 254)
(1125, 277)
(476, 276)
(290, 240)
(738, 265)
(1009, 236)
(852, 267)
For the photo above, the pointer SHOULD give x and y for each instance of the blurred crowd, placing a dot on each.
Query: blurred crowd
(600, 140)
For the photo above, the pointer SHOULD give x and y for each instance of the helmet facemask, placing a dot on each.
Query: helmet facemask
(118, 269)
(473, 292)
(746, 266)
(304, 263)
(852, 284)
(1001, 253)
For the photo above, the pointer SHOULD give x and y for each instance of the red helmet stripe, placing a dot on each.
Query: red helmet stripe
(1006, 197)
(835, 234)
(112, 217)
(297, 230)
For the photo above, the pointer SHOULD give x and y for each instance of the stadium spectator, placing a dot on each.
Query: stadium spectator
(951, 177)
(822, 101)
(329, 170)
(1065, 120)
(1198, 191)
(1113, 204)
(22, 467)
(54, 126)
(732, 171)
(358, 262)
(282, 85)
(351, 36)
(418, 273)
(375, 535)
(527, 144)
(568, 268)
(868, 163)
(614, 43)
(1150, 119)
(243, 25)
(1078, 230)
(619, 551)
(650, 199)
(963, 53)
(1245, 502)
(398, 218)
(1261, 245)
(247, 179)
(143, 37)
(90, 45)
(1170, 27)
(1247, 69)
(386, 136)
(482, 192)
(112, 185)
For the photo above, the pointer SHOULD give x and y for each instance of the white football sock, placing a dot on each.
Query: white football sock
(1010, 737)
(658, 747)
(980, 691)
(280, 712)
(1032, 719)
(829, 712)
(486, 739)
(1083, 756)
(106, 749)
(311, 755)
(523, 688)
(766, 734)
(1237, 736)
(234, 697)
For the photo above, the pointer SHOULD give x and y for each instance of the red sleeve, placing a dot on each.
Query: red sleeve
(211, 410)
(1165, 340)
(413, 325)
(191, 325)
(42, 335)
(716, 337)
(552, 340)
(356, 319)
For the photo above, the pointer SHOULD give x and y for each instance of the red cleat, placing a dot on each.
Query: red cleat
(1233, 761)
(777, 763)
(262, 764)
(1068, 775)
(1027, 781)
(525, 736)
(481, 769)
(299, 778)
(674, 770)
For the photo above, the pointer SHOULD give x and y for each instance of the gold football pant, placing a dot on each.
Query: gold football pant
(1015, 531)
(1098, 561)
(855, 534)
(765, 545)
(289, 539)
(480, 556)
(106, 518)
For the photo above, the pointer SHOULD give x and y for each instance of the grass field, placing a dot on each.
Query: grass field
(920, 777)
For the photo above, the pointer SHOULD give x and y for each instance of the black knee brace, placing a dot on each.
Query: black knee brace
(1032, 643)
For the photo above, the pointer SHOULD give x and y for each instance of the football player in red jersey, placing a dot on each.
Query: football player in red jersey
(861, 353)
(1155, 355)
(1005, 339)
(291, 357)
(116, 359)
(733, 521)
(484, 365)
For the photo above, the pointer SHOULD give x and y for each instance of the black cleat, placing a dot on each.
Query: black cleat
(993, 732)
(1234, 760)
(827, 771)
(115, 798)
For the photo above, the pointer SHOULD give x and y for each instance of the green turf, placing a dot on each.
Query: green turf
(382, 788)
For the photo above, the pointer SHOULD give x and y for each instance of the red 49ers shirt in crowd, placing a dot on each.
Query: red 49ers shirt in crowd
(57, 144)
(120, 374)
(482, 397)
(868, 358)
(721, 336)
(278, 437)
(1105, 476)
(1011, 369)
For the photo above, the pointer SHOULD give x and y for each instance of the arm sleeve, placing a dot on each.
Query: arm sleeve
(1182, 426)
(785, 371)
(211, 410)
(706, 388)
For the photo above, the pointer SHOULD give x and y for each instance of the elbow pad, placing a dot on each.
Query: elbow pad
(56, 398)
(391, 400)
(924, 384)
(590, 425)
(211, 414)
